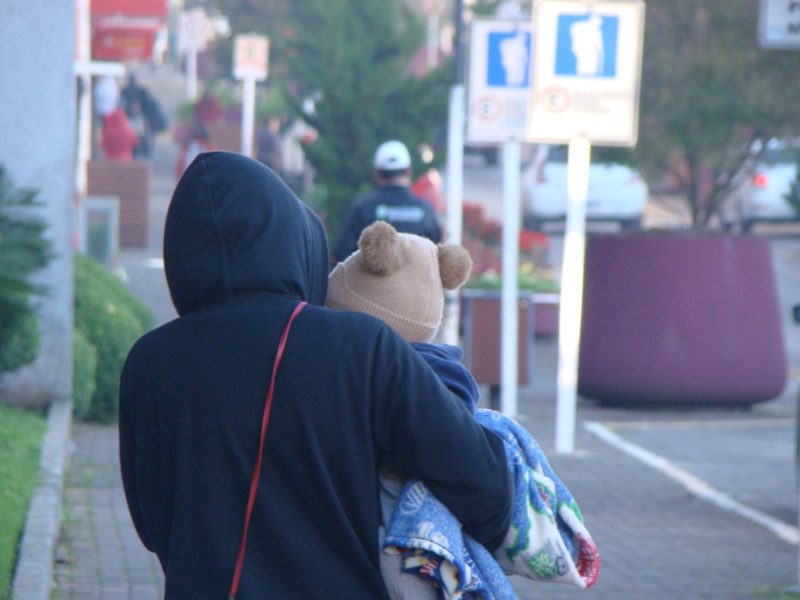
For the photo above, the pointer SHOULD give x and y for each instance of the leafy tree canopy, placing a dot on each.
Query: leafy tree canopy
(353, 58)
(708, 93)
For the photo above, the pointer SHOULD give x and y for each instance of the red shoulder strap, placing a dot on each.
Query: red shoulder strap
(237, 571)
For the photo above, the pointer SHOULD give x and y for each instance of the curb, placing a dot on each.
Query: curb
(33, 579)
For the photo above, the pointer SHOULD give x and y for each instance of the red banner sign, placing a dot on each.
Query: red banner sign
(133, 8)
(124, 38)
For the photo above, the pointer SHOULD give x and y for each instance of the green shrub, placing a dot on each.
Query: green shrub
(20, 343)
(111, 319)
(23, 250)
(84, 373)
(115, 289)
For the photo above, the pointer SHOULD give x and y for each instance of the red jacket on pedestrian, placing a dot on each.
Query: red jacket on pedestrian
(118, 138)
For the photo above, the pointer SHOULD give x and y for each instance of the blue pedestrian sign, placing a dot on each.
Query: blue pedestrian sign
(586, 45)
(509, 59)
(500, 79)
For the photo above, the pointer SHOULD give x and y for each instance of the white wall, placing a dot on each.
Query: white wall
(37, 147)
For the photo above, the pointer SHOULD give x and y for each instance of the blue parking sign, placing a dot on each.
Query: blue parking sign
(586, 45)
(509, 59)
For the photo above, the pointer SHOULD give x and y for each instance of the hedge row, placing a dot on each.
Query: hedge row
(108, 320)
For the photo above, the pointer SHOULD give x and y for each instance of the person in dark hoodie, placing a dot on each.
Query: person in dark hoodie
(240, 252)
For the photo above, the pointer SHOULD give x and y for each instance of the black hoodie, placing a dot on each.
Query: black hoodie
(240, 251)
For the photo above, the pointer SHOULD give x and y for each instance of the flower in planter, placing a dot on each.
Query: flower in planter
(491, 232)
(482, 239)
(473, 218)
(531, 278)
(530, 241)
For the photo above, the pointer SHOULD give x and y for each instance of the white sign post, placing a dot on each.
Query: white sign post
(499, 86)
(779, 24)
(250, 64)
(587, 69)
(192, 27)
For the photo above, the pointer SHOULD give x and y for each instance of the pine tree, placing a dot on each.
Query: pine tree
(23, 250)
(353, 56)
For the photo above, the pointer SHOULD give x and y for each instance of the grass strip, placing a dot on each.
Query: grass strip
(21, 433)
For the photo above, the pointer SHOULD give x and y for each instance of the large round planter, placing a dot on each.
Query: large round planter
(680, 319)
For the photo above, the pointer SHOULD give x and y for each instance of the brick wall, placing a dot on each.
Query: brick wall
(130, 182)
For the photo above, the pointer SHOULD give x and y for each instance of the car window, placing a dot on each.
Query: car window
(777, 156)
(558, 153)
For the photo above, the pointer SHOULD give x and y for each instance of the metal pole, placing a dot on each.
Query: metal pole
(569, 322)
(248, 114)
(458, 49)
(432, 50)
(85, 100)
(191, 74)
(509, 312)
(454, 191)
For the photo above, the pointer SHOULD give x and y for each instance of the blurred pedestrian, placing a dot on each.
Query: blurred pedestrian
(145, 113)
(208, 109)
(296, 170)
(118, 138)
(196, 142)
(106, 96)
(270, 148)
(132, 91)
(236, 492)
(390, 201)
(428, 186)
(141, 126)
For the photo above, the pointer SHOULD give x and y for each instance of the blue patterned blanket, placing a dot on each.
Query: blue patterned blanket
(547, 540)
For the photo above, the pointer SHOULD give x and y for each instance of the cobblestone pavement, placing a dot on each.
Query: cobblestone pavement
(100, 555)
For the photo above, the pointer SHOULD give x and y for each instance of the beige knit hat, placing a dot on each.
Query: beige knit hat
(399, 278)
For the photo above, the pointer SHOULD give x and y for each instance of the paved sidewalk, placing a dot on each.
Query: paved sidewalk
(658, 541)
(100, 555)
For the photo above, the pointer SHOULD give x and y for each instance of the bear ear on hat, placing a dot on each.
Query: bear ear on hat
(455, 265)
(380, 249)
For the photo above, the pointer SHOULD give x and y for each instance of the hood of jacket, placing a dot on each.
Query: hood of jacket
(234, 228)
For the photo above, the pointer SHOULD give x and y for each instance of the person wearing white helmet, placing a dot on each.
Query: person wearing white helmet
(390, 201)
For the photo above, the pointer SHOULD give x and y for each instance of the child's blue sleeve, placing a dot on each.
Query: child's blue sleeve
(444, 360)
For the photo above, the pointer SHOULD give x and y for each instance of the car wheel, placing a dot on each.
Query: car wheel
(631, 224)
(533, 224)
(490, 156)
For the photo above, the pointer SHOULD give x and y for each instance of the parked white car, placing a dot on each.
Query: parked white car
(616, 191)
(762, 196)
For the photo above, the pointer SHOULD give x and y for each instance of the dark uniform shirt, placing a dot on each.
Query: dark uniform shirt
(394, 204)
